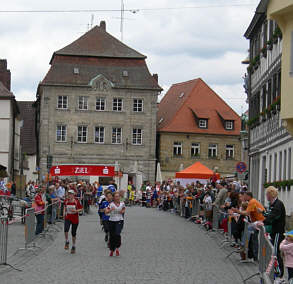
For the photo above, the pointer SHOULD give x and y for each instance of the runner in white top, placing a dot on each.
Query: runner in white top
(116, 210)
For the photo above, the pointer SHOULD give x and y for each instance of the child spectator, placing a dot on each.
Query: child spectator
(286, 248)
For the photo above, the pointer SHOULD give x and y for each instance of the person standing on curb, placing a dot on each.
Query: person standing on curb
(275, 225)
(72, 207)
(40, 209)
(116, 210)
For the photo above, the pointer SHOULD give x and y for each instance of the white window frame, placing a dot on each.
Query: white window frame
(115, 135)
(62, 102)
(177, 149)
(230, 152)
(80, 137)
(117, 103)
(194, 147)
(203, 123)
(99, 100)
(137, 136)
(101, 139)
(83, 103)
(229, 125)
(63, 133)
(214, 150)
(137, 105)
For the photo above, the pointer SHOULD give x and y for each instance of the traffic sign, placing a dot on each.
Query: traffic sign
(241, 167)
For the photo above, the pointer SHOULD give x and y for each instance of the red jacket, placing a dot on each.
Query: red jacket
(40, 203)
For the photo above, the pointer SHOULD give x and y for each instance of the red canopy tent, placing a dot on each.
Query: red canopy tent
(196, 171)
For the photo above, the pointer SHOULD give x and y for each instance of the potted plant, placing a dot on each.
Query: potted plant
(270, 44)
(264, 51)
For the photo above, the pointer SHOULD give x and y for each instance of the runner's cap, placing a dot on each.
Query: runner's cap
(71, 191)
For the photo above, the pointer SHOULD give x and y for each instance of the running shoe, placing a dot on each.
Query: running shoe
(111, 253)
(73, 250)
(66, 247)
(117, 252)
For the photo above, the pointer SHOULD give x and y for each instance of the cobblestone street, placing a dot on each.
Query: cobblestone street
(157, 247)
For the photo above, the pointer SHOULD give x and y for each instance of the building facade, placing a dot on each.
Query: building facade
(9, 125)
(97, 105)
(281, 12)
(195, 124)
(28, 161)
(270, 144)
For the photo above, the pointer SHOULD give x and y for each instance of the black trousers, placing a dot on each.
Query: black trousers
(106, 226)
(115, 229)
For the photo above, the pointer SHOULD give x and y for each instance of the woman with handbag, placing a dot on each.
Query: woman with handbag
(40, 209)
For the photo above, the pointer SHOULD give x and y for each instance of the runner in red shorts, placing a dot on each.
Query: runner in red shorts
(72, 207)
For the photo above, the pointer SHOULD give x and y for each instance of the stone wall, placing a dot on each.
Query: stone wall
(92, 153)
(171, 163)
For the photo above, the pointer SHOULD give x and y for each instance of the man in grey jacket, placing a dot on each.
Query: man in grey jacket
(222, 195)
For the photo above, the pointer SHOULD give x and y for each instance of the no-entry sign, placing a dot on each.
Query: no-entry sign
(241, 167)
(82, 170)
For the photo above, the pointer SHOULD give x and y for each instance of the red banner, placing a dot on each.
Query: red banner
(82, 170)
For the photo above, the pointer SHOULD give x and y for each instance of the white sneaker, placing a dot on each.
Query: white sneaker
(249, 260)
(280, 281)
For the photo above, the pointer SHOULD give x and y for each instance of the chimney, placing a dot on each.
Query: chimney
(103, 25)
(156, 77)
(5, 76)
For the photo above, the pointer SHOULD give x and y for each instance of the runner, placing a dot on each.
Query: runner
(105, 217)
(72, 207)
(116, 222)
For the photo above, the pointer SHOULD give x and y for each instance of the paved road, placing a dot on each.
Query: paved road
(157, 247)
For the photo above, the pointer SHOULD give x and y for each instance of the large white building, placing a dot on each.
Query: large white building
(9, 125)
(270, 145)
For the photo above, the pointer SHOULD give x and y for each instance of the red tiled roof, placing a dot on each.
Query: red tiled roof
(176, 114)
(201, 113)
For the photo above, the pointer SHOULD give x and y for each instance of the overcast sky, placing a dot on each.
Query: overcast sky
(181, 44)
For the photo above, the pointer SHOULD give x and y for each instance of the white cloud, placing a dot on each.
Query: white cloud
(180, 44)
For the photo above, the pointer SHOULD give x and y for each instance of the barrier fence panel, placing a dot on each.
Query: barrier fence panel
(230, 227)
(195, 207)
(267, 258)
(30, 226)
(3, 239)
(215, 218)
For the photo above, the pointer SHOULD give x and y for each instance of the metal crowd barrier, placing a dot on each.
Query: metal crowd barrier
(3, 240)
(216, 216)
(30, 227)
(195, 207)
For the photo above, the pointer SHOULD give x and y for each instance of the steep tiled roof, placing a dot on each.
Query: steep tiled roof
(177, 112)
(98, 43)
(98, 53)
(4, 92)
(27, 132)
(139, 77)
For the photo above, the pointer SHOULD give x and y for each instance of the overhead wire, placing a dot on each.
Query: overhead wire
(134, 10)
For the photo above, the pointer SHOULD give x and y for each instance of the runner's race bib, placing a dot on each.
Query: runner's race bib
(70, 209)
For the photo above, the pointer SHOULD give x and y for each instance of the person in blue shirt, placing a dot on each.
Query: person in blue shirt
(112, 188)
(105, 218)
(99, 191)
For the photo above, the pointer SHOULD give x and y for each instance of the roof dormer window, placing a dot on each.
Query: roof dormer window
(229, 125)
(203, 123)
(161, 120)
(181, 95)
